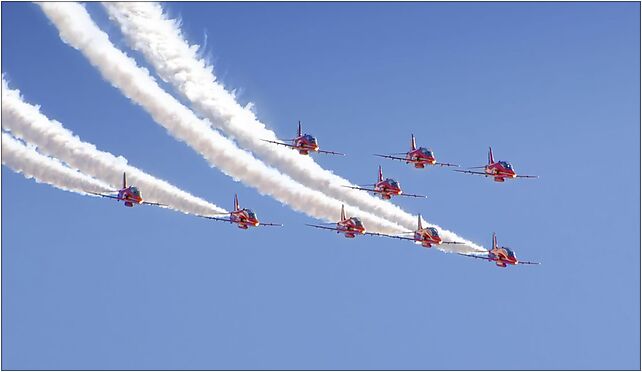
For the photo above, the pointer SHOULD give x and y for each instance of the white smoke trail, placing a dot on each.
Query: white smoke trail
(26, 122)
(78, 30)
(28, 162)
(160, 40)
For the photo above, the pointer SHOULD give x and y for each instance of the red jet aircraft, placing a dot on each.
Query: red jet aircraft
(304, 143)
(349, 227)
(420, 157)
(130, 195)
(386, 188)
(427, 237)
(502, 256)
(499, 170)
(244, 218)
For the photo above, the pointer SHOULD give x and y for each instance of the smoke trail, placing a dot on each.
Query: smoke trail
(26, 122)
(78, 30)
(42, 169)
(160, 40)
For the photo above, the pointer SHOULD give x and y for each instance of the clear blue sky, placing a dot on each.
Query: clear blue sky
(554, 87)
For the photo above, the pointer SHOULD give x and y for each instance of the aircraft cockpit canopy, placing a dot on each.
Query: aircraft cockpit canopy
(250, 214)
(357, 222)
(506, 165)
(309, 138)
(392, 182)
(510, 253)
(426, 152)
(135, 191)
(433, 231)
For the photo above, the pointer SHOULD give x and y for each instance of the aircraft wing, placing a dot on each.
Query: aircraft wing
(447, 165)
(215, 218)
(330, 152)
(103, 195)
(471, 172)
(269, 224)
(280, 143)
(391, 157)
(520, 176)
(390, 236)
(527, 263)
(323, 227)
(475, 256)
(156, 204)
(412, 195)
(362, 188)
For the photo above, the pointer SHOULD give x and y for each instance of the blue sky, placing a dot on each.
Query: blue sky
(553, 87)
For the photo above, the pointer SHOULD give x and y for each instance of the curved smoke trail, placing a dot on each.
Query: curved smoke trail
(159, 38)
(28, 162)
(26, 122)
(78, 30)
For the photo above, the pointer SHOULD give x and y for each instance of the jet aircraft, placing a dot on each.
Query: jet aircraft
(129, 194)
(499, 170)
(244, 218)
(348, 226)
(386, 188)
(426, 236)
(420, 157)
(304, 144)
(502, 256)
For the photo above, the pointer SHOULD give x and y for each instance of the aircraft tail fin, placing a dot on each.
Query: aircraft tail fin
(419, 227)
(298, 133)
(380, 174)
(413, 144)
(490, 155)
(494, 241)
(343, 212)
(124, 180)
(236, 202)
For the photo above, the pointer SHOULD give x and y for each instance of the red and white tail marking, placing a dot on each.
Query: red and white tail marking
(298, 133)
(419, 227)
(380, 174)
(494, 241)
(413, 144)
(343, 213)
(490, 155)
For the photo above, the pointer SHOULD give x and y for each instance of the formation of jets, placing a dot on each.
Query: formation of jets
(386, 188)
